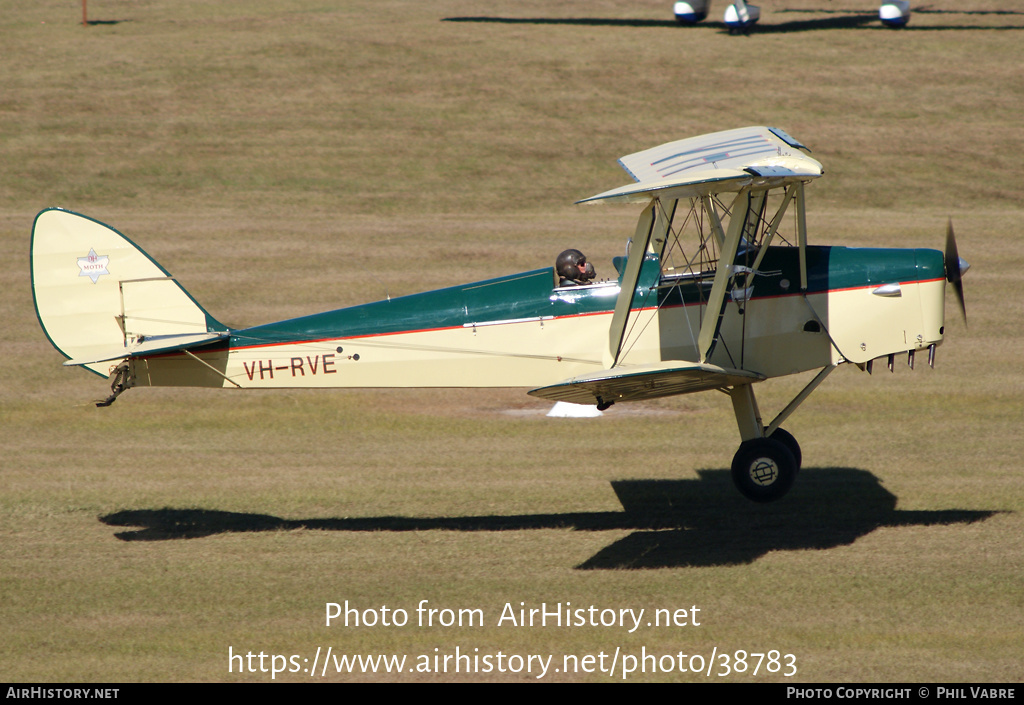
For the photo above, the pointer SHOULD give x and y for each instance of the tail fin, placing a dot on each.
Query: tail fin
(99, 297)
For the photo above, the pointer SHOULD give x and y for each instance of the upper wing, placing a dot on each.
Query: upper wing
(637, 382)
(715, 163)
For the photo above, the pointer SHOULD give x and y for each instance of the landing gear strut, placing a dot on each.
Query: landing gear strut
(769, 458)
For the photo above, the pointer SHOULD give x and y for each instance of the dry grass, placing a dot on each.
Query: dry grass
(283, 157)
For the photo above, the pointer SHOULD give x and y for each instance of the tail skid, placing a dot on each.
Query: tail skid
(100, 299)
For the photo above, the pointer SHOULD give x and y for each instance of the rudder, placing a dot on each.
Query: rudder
(95, 290)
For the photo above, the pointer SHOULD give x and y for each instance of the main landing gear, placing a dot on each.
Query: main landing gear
(769, 458)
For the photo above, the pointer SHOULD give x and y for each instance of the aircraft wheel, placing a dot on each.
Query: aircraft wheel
(763, 469)
(786, 438)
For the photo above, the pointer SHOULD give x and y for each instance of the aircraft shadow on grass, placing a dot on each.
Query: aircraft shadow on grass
(674, 523)
(834, 19)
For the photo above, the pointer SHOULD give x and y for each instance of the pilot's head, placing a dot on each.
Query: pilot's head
(573, 264)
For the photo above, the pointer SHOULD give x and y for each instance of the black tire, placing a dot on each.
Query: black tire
(763, 469)
(786, 438)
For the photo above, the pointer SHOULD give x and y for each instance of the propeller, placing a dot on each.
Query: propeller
(955, 268)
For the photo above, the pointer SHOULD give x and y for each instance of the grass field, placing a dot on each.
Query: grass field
(283, 157)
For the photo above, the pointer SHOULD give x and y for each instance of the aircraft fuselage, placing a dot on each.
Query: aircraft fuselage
(523, 331)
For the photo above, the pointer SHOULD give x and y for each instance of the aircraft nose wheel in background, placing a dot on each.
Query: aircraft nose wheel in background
(764, 469)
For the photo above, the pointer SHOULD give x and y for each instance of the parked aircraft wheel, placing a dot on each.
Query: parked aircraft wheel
(763, 469)
(786, 438)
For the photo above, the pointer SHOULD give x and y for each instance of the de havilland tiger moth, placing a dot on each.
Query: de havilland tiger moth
(714, 293)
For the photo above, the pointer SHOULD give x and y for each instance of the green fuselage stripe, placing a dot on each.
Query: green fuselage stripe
(532, 295)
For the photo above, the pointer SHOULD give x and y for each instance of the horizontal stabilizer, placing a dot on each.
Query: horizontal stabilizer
(155, 345)
(639, 382)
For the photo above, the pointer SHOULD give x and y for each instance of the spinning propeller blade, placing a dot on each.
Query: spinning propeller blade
(955, 268)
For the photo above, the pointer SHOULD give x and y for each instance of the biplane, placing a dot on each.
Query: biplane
(719, 290)
(740, 16)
